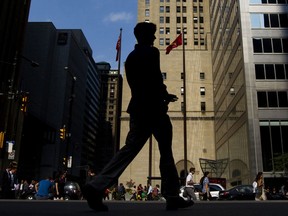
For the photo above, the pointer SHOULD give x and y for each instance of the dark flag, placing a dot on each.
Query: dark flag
(177, 42)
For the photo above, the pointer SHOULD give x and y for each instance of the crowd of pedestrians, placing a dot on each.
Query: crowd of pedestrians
(135, 193)
(13, 188)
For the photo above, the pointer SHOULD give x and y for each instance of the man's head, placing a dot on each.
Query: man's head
(144, 33)
(192, 170)
(13, 166)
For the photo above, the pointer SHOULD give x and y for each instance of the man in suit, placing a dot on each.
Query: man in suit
(148, 116)
(8, 181)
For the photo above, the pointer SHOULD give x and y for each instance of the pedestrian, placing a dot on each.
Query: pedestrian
(8, 181)
(59, 182)
(121, 191)
(134, 193)
(148, 116)
(44, 189)
(149, 191)
(260, 193)
(156, 194)
(254, 185)
(189, 187)
(205, 186)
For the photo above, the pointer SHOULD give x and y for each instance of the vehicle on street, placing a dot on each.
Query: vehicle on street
(239, 192)
(214, 191)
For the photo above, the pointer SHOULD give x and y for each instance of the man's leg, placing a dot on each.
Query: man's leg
(136, 138)
(162, 131)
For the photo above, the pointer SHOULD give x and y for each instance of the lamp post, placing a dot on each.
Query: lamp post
(69, 123)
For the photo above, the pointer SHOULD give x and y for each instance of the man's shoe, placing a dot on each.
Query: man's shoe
(94, 198)
(173, 203)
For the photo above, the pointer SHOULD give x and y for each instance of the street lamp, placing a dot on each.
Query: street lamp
(68, 129)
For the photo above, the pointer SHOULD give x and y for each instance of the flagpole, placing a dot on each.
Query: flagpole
(184, 102)
(117, 123)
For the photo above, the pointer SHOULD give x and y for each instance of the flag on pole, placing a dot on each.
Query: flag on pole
(177, 42)
(118, 47)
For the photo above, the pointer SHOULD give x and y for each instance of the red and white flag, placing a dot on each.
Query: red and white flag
(177, 42)
(118, 47)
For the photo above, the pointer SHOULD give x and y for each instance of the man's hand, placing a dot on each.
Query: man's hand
(171, 98)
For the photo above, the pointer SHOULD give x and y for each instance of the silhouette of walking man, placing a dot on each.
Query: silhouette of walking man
(148, 115)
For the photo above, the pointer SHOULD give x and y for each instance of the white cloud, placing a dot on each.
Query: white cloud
(119, 16)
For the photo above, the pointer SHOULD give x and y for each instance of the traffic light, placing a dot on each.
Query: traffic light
(63, 133)
(1, 139)
(24, 104)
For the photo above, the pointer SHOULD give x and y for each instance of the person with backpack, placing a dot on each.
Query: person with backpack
(205, 186)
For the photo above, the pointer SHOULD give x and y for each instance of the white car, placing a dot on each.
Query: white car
(214, 191)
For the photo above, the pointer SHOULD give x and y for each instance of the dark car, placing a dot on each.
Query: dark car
(240, 192)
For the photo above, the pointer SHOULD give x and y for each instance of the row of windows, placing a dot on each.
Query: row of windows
(272, 99)
(178, 19)
(202, 91)
(271, 71)
(202, 106)
(268, 1)
(259, 20)
(201, 75)
(270, 45)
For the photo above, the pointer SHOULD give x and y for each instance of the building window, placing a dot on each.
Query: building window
(259, 20)
(232, 91)
(167, 41)
(184, 9)
(178, 19)
(161, 10)
(167, 19)
(147, 2)
(161, 19)
(161, 41)
(147, 12)
(182, 90)
(184, 19)
(270, 45)
(164, 75)
(167, 30)
(161, 30)
(62, 38)
(274, 141)
(178, 9)
(167, 9)
(203, 106)
(272, 99)
(202, 91)
(271, 71)
(202, 75)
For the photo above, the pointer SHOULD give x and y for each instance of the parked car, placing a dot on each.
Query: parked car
(72, 191)
(240, 192)
(214, 191)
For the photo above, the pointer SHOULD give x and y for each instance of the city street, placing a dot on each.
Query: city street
(145, 208)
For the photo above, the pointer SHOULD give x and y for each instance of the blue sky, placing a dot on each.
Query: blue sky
(100, 21)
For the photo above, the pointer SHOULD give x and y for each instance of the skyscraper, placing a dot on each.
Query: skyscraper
(249, 43)
(235, 73)
(197, 141)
